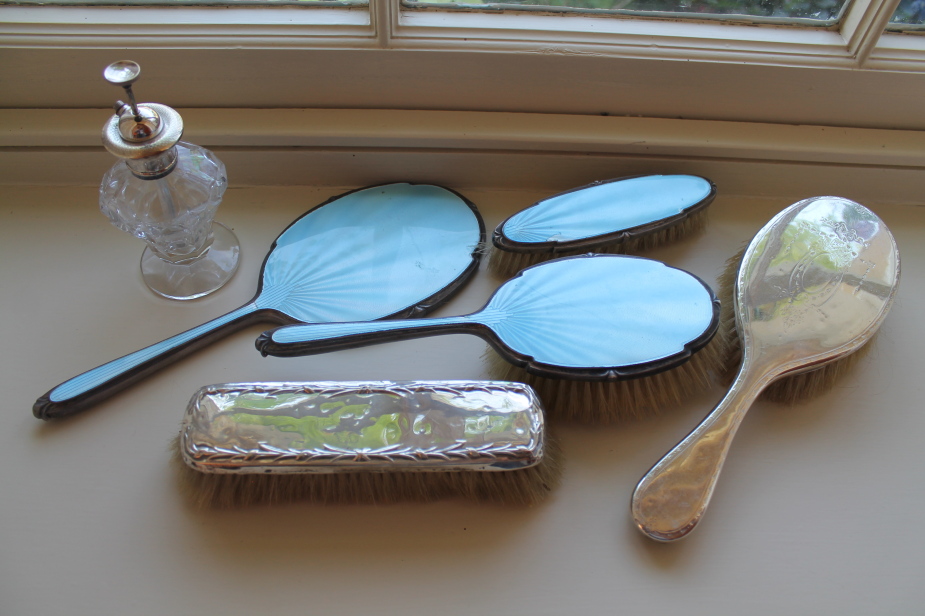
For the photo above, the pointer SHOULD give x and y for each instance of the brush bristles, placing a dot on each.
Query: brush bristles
(787, 390)
(526, 486)
(506, 264)
(602, 402)
(727, 317)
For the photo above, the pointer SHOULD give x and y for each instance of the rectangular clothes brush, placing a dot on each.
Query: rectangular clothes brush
(365, 442)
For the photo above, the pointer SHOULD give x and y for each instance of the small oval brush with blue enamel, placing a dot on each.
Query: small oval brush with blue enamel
(624, 216)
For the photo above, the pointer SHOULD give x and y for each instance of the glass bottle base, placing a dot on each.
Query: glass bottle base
(198, 278)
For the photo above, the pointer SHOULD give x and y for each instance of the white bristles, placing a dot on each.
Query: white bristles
(604, 402)
(506, 264)
(526, 486)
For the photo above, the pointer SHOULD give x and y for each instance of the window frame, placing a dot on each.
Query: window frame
(856, 57)
(394, 26)
(853, 43)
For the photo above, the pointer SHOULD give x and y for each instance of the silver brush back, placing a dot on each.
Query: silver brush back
(377, 426)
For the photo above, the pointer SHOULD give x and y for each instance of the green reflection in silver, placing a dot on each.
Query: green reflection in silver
(324, 427)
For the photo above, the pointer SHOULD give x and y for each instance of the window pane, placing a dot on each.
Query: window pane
(324, 3)
(908, 13)
(817, 12)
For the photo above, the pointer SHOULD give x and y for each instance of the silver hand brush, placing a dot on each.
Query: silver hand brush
(813, 287)
(365, 442)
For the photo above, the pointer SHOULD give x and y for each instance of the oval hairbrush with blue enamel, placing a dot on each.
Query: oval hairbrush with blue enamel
(625, 215)
(599, 336)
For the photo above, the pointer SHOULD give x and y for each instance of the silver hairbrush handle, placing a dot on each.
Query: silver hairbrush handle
(672, 497)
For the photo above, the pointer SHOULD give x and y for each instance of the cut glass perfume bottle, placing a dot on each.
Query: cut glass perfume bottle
(166, 191)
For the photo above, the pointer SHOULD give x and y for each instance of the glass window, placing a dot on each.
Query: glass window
(816, 12)
(908, 13)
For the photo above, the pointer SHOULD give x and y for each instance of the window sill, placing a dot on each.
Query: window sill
(353, 147)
